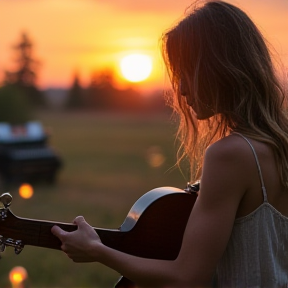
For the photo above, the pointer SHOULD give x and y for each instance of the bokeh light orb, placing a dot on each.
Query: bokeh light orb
(17, 275)
(155, 156)
(26, 191)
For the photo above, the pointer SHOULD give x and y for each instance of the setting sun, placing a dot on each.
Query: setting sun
(136, 67)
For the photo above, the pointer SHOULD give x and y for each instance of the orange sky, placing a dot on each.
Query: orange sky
(86, 35)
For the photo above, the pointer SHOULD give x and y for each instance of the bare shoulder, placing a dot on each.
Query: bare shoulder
(231, 148)
(227, 169)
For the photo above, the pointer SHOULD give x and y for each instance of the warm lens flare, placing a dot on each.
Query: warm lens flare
(136, 67)
(17, 275)
(26, 191)
(155, 156)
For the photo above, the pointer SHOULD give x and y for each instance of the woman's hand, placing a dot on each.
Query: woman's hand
(81, 245)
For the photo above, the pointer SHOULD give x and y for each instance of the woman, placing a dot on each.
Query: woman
(228, 98)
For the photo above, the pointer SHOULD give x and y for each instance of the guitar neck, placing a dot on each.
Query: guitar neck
(153, 219)
(38, 233)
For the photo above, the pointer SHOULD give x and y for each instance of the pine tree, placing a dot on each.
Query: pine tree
(24, 77)
(75, 98)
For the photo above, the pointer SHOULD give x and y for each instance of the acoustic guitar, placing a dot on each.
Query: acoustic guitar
(153, 228)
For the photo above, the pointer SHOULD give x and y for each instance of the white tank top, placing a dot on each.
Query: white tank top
(257, 251)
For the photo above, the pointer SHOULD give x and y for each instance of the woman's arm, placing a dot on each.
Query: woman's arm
(205, 238)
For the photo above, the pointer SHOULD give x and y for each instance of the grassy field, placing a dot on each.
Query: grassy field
(107, 165)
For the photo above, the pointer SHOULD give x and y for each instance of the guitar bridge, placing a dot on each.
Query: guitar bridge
(17, 244)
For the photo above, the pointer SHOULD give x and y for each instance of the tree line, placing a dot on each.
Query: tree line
(102, 95)
(20, 95)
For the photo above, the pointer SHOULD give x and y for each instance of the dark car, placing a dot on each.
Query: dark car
(25, 155)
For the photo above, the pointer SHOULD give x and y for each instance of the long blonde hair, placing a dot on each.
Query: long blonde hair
(225, 62)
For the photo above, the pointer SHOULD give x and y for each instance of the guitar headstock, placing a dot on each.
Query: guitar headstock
(6, 199)
(5, 214)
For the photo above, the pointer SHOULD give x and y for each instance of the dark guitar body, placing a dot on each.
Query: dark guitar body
(153, 228)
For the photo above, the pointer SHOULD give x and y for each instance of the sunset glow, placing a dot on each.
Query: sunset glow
(88, 36)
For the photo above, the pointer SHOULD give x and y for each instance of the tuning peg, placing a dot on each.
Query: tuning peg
(2, 247)
(17, 244)
(6, 199)
(2, 244)
(18, 247)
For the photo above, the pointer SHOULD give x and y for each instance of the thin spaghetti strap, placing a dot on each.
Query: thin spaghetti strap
(258, 166)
